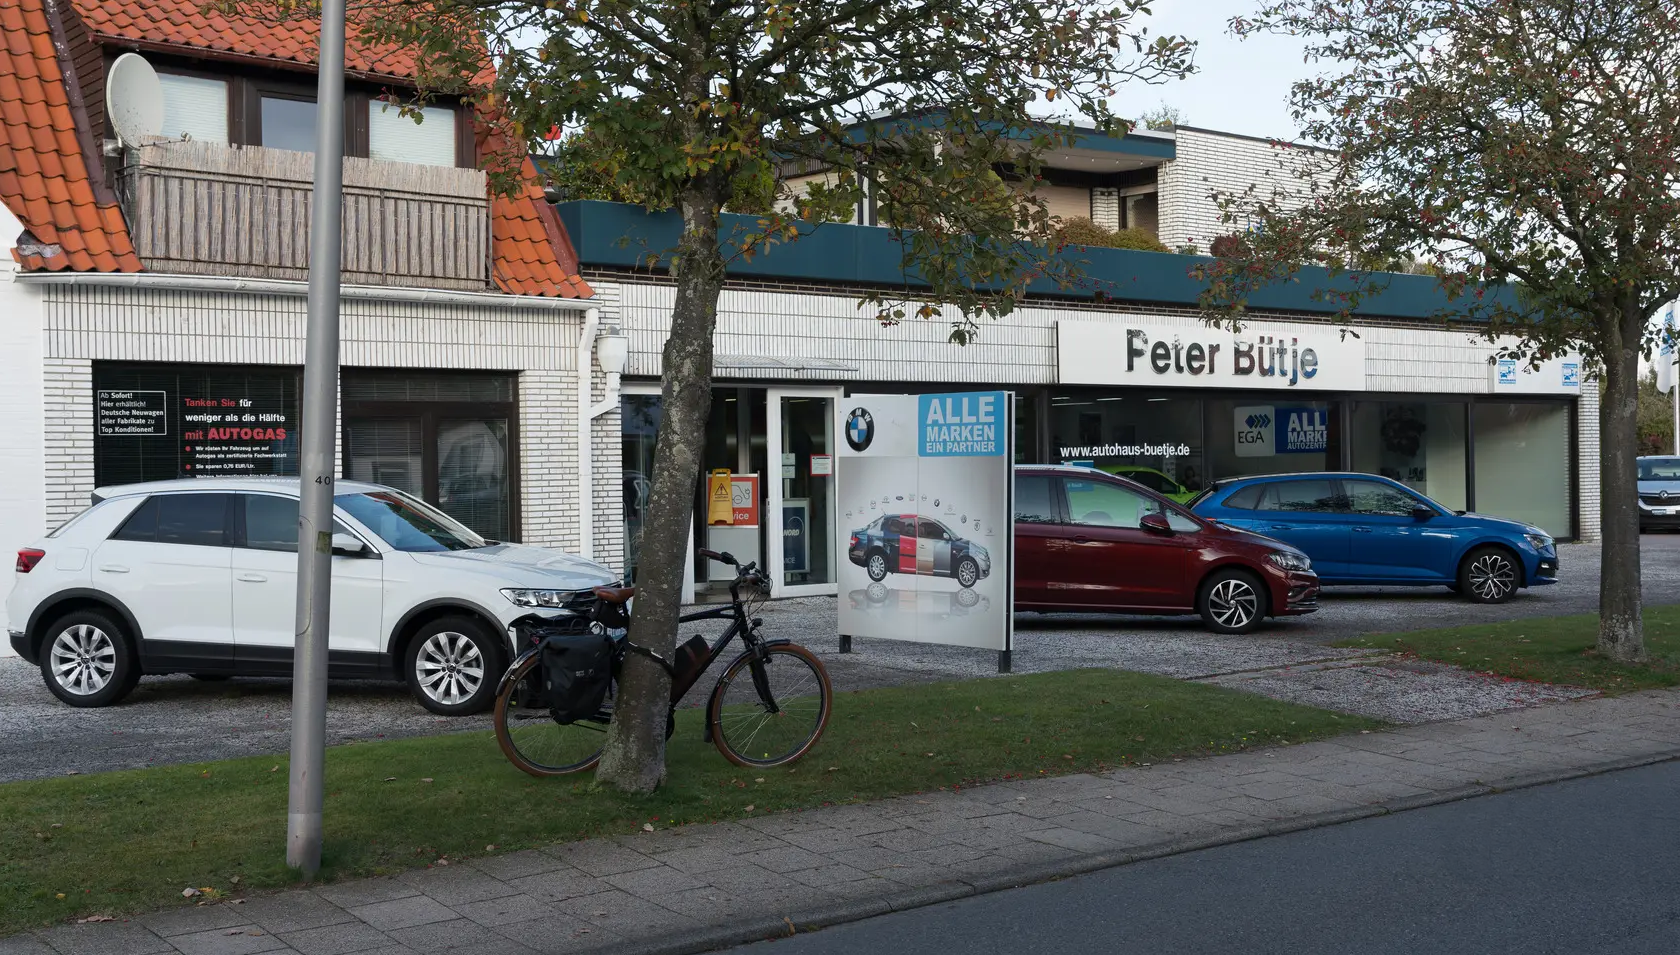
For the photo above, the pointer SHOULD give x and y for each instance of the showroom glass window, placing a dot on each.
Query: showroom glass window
(1523, 463)
(1153, 438)
(448, 438)
(1422, 444)
(1272, 434)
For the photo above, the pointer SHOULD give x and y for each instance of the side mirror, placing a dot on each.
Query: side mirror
(1155, 524)
(346, 545)
(1422, 513)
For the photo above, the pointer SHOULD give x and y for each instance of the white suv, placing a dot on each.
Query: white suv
(200, 577)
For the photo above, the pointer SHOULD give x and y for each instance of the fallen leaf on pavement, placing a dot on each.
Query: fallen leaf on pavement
(97, 918)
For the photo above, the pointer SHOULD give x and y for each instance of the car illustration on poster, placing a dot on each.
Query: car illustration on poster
(912, 544)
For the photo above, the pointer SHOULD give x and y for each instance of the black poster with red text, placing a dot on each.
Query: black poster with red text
(159, 422)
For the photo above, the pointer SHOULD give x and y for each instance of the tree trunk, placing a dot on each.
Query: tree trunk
(1621, 632)
(634, 760)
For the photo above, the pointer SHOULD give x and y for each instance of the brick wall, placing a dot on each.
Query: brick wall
(67, 412)
(1587, 484)
(1210, 163)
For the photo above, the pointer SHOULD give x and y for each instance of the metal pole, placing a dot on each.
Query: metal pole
(1674, 396)
(320, 412)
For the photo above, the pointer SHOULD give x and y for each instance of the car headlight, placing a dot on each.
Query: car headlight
(538, 598)
(1538, 541)
(1289, 561)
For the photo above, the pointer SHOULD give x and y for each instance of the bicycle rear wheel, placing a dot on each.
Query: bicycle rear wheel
(529, 736)
(770, 713)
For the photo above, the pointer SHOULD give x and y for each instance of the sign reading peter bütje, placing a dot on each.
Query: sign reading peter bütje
(925, 486)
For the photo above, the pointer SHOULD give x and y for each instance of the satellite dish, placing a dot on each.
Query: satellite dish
(134, 100)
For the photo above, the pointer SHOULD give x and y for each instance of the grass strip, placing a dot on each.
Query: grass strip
(131, 841)
(1547, 650)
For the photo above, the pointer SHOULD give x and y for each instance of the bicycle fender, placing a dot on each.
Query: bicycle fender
(502, 683)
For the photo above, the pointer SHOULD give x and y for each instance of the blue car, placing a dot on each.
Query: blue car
(912, 544)
(1369, 530)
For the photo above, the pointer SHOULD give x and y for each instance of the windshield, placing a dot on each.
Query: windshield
(1659, 469)
(408, 524)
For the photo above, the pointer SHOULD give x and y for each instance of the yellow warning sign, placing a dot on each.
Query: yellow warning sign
(720, 508)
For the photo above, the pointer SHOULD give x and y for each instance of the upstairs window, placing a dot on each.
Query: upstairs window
(395, 137)
(195, 107)
(288, 123)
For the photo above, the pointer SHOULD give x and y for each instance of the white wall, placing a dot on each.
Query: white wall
(1209, 162)
(23, 505)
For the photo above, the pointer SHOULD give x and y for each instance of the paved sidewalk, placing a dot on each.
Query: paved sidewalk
(699, 887)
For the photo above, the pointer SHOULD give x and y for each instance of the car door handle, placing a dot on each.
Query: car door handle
(1282, 527)
(253, 578)
(1362, 530)
(113, 568)
(1082, 539)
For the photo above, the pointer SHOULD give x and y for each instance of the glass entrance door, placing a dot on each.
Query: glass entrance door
(801, 534)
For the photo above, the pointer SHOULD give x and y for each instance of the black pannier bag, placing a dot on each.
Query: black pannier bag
(690, 663)
(577, 670)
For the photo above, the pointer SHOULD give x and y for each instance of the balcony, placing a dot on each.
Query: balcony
(212, 209)
(620, 237)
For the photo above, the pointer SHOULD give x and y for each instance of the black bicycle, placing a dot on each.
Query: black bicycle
(769, 707)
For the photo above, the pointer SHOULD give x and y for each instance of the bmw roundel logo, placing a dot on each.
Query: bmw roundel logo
(860, 429)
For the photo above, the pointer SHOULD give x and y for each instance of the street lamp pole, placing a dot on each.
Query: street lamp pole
(320, 412)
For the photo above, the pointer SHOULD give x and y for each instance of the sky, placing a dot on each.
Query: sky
(1240, 86)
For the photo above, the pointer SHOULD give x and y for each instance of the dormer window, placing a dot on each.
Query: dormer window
(396, 137)
(288, 123)
(195, 107)
(273, 110)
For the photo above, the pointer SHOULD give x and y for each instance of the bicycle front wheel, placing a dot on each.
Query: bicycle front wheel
(770, 712)
(529, 736)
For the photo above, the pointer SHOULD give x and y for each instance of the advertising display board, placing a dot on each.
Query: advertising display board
(925, 488)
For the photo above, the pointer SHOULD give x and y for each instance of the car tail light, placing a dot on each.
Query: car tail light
(854, 540)
(28, 558)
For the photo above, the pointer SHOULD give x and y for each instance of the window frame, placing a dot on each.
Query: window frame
(228, 517)
(1338, 499)
(240, 528)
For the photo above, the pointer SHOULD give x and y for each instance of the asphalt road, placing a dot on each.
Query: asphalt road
(176, 719)
(1574, 868)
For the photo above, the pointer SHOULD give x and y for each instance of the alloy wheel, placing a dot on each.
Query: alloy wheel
(967, 574)
(84, 659)
(1492, 577)
(877, 567)
(1233, 603)
(449, 667)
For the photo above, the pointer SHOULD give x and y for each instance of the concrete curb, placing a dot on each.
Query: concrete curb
(760, 928)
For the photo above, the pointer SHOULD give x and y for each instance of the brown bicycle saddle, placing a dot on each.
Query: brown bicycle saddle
(615, 595)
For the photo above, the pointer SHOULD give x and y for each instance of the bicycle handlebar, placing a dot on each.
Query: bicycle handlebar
(723, 558)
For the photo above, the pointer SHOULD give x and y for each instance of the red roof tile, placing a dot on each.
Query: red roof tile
(44, 177)
(186, 23)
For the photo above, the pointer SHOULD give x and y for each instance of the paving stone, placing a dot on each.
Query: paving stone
(197, 918)
(652, 883)
(512, 908)
(365, 892)
(105, 938)
(785, 859)
(446, 936)
(696, 859)
(601, 857)
(237, 940)
(23, 945)
(626, 914)
(829, 875)
(336, 939)
(403, 913)
(557, 932)
(517, 865)
(457, 883)
(826, 841)
(293, 911)
(559, 886)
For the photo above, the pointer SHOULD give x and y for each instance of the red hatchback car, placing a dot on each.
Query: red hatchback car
(1086, 541)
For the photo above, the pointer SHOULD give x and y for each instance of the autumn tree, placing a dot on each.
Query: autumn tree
(1527, 151)
(691, 103)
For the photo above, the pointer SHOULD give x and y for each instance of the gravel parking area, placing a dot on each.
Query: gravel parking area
(177, 719)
